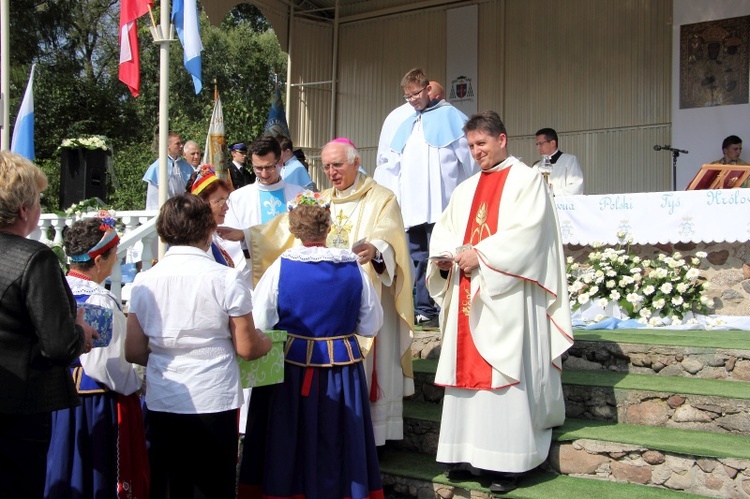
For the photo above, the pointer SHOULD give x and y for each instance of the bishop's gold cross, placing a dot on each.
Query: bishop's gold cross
(341, 218)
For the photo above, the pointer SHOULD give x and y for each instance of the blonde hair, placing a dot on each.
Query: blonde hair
(21, 181)
(415, 76)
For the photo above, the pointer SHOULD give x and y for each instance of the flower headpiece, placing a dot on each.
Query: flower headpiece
(308, 198)
(110, 239)
(206, 176)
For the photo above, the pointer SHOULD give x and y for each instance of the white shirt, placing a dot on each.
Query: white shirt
(107, 365)
(183, 305)
(266, 313)
(566, 177)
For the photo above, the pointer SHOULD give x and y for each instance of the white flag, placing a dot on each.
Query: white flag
(215, 152)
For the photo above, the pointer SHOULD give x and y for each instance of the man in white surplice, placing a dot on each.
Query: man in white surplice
(505, 315)
(258, 203)
(428, 158)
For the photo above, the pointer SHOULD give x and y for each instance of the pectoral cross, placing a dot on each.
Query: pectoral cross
(341, 229)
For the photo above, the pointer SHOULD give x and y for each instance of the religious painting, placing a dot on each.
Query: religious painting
(714, 63)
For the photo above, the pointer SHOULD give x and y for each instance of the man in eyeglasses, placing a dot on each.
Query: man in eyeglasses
(238, 172)
(428, 157)
(566, 177)
(257, 203)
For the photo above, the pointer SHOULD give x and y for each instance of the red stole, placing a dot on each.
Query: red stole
(472, 371)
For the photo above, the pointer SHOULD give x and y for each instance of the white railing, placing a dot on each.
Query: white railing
(139, 228)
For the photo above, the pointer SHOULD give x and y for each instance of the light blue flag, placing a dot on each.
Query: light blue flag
(185, 19)
(23, 131)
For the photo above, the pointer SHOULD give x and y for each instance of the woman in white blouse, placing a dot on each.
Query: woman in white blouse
(189, 318)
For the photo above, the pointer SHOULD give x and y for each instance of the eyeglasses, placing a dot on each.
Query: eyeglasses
(413, 96)
(539, 144)
(259, 168)
(337, 166)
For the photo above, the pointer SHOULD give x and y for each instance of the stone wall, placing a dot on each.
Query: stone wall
(726, 269)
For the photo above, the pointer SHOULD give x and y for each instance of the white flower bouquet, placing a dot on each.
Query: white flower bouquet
(667, 286)
(91, 142)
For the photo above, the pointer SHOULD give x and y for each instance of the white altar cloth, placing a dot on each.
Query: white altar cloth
(656, 217)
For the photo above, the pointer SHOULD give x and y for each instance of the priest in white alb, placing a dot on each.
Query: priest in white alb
(256, 203)
(497, 271)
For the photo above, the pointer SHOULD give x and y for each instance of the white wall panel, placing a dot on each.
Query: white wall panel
(598, 72)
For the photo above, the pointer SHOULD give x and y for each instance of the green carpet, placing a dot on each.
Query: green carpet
(651, 382)
(536, 484)
(426, 366)
(734, 340)
(688, 442)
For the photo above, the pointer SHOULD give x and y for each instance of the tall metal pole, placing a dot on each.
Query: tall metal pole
(5, 74)
(289, 38)
(334, 71)
(166, 35)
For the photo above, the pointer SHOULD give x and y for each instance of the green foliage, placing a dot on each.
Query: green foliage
(77, 91)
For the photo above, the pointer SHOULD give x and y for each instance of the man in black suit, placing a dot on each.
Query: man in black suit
(239, 175)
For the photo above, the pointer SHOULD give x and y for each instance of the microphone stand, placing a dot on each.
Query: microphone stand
(675, 154)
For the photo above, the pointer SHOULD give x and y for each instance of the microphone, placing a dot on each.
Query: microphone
(669, 148)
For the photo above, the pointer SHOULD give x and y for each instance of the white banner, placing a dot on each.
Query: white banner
(461, 58)
(656, 217)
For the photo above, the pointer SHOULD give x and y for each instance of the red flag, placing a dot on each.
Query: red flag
(130, 63)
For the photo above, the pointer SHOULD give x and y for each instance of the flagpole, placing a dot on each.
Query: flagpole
(163, 41)
(4, 74)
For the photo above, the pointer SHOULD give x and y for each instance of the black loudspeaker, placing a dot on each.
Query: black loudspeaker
(83, 175)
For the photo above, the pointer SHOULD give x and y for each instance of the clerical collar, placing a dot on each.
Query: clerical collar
(553, 159)
(351, 189)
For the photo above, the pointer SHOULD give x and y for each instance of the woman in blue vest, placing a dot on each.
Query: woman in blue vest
(319, 440)
(99, 447)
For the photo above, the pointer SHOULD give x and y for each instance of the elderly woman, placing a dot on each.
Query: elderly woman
(40, 334)
(215, 192)
(319, 432)
(189, 318)
(100, 446)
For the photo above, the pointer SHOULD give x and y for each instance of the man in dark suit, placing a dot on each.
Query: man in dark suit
(239, 175)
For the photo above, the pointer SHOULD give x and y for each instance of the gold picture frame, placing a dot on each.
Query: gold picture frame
(720, 177)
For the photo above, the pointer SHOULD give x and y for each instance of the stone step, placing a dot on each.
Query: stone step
(687, 403)
(699, 354)
(692, 404)
(698, 462)
(408, 474)
(688, 353)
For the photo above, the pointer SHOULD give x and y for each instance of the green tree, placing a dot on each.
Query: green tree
(77, 91)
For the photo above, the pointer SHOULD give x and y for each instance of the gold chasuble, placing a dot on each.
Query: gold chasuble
(371, 212)
(472, 370)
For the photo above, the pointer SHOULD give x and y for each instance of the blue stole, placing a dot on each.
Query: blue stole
(442, 125)
(272, 203)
